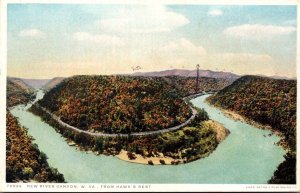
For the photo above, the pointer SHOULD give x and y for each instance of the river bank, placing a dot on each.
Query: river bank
(161, 159)
(237, 117)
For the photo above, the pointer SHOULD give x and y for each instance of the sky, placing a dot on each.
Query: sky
(51, 40)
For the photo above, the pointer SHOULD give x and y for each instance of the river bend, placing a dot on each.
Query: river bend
(246, 156)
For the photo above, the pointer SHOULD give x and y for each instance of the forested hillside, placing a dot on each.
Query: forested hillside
(52, 83)
(116, 104)
(17, 92)
(123, 104)
(35, 83)
(186, 85)
(24, 161)
(267, 101)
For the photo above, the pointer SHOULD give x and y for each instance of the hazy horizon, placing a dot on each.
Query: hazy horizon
(130, 73)
(60, 40)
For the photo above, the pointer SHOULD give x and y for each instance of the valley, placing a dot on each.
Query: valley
(145, 120)
(24, 160)
(237, 152)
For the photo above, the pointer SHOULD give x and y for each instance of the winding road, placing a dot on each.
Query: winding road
(194, 112)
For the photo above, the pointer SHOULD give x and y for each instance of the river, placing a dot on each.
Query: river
(244, 157)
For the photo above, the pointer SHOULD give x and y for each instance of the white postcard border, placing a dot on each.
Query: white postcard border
(122, 187)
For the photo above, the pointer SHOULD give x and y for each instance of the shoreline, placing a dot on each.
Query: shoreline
(237, 117)
(160, 159)
(221, 131)
(218, 128)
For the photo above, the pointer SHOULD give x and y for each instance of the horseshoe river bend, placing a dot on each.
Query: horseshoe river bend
(246, 156)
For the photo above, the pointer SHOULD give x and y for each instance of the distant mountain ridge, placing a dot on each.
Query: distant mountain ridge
(32, 84)
(52, 83)
(279, 77)
(20, 83)
(35, 83)
(189, 73)
(29, 83)
(202, 73)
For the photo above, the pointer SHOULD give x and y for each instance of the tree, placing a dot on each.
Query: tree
(99, 144)
(27, 172)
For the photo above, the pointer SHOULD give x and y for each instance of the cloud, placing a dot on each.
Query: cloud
(178, 53)
(115, 24)
(102, 39)
(183, 46)
(32, 33)
(184, 53)
(215, 12)
(258, 31)
(145, 19)
(243, 63)
(291, 22)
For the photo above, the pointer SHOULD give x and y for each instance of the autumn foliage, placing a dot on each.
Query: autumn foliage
(122, 104)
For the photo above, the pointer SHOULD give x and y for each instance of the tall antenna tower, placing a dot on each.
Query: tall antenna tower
(197, 80)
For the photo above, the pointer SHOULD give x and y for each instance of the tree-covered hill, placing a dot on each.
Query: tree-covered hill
(123, 104)
(267, 101)
(17, 92)
(197, 140)
(52, 83)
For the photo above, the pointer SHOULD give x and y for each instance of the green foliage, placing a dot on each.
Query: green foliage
(189, 143)
(200, 116)
(27, 172)
(286, 171)
(99, 144)
(42, 157)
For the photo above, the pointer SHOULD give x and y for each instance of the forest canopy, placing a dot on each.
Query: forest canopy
(123, 104)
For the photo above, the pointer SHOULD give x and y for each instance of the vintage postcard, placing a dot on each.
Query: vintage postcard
(104, 96)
